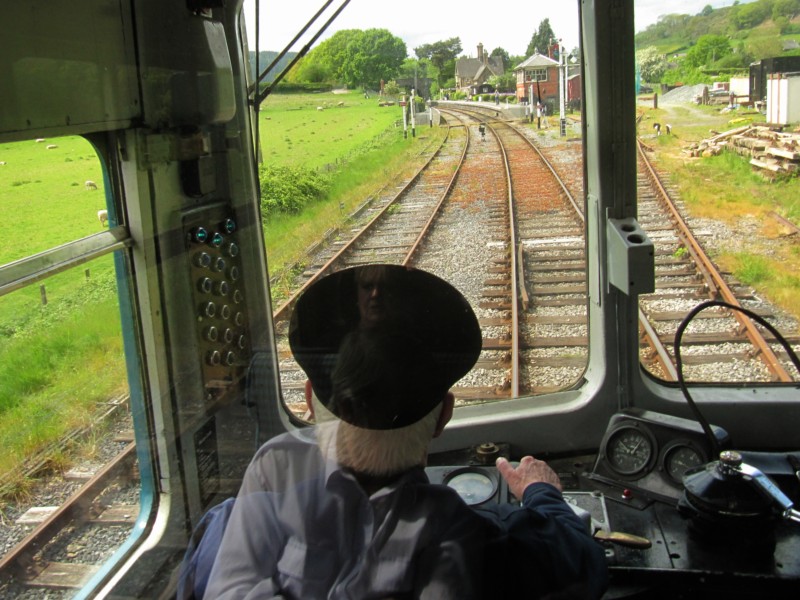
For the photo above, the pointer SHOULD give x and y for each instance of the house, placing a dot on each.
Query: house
(472, 74)
(539, 74)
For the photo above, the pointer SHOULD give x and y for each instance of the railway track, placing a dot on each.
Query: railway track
(68, 543)
(514, 203)
(721, 346)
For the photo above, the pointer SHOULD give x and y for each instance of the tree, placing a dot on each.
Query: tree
(748, 16)
(500, 52)
(707, 50)
(441, 54)
(373, 55)
(652, 64)
(392, 89)
(356, 58)
(329, 56)
(504, 83)
(785, 8)
(413, 67)
(542, 39)
(707, 10)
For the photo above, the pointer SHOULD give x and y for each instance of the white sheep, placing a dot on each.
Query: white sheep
(90, 185)
(2, 162)
(320, 108)
(102, 216)
(39, 140)
(51, 146)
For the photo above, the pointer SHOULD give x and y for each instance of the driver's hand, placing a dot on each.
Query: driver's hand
(529, 471)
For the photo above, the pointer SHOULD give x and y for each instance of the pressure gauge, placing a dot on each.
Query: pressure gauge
(474, 487)
(679, 457)
(630, 450)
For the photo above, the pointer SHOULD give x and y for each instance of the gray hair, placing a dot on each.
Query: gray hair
(374, 452)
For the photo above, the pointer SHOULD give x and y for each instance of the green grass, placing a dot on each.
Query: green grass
(726, 188)
(63, 361)
(357, 144)
(294, 132)
(43, 195)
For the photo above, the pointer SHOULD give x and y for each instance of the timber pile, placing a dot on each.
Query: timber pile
(769, 150)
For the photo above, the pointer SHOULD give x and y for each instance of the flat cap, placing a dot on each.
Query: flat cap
(382, 344)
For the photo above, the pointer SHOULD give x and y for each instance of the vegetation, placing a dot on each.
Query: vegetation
(442, 55)
(715, 43)
(354, 58)
(542, 39)
(725, 188)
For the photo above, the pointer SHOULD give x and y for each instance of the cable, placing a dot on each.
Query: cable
(679, 362)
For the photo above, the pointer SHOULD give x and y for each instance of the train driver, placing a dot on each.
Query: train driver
(344, 509)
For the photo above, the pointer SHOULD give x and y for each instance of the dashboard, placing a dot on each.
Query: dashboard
(725, 537)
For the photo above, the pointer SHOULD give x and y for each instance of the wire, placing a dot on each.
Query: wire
(261, 96)
(679, 362)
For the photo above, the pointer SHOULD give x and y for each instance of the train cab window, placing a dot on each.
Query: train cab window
(715, 194)
(508, 229)
(66, 425)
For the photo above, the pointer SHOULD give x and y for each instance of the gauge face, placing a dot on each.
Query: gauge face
(679, 459)
(474, 487)
(629, 450)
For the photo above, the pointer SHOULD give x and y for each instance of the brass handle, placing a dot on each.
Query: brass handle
(623, 539)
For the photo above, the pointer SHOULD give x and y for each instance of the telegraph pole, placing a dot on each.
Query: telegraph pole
(403, 104)
(562, 81)
(412, 108)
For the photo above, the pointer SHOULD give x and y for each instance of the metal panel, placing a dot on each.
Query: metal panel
(77, 72)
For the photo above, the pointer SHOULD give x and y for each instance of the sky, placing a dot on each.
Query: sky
(509, 25)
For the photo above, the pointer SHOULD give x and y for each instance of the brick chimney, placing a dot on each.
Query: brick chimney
(481, 55)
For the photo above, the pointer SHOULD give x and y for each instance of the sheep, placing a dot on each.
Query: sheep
(340, 104)
(320, 108)
(39, 140)
(51, 146)
(2, 162)
(669, 129)
(102, 216)
(657, 127)
(90, 185)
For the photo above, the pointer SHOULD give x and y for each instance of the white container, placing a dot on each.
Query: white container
(783, 98)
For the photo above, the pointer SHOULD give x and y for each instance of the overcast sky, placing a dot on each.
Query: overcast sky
(509, 25)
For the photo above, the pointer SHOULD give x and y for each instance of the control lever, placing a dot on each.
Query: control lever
(730, 462)
(795, 462)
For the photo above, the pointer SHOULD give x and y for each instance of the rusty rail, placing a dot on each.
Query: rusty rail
(717, 285)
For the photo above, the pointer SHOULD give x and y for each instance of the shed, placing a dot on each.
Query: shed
(760, 70)
(783, 98)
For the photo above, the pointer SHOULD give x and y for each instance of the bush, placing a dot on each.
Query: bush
(289, 189)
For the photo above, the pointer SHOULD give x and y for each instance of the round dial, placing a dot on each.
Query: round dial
(629, 450)
(680, 458)
(474, 487)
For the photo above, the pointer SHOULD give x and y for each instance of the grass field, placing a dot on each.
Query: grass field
(294, 132)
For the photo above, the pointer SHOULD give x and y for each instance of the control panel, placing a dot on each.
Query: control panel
(650, 452)
(218, 294)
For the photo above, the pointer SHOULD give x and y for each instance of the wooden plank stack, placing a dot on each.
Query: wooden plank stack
(771, 151)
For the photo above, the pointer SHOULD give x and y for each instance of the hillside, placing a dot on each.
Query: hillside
(265, 58)
(759, 29)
